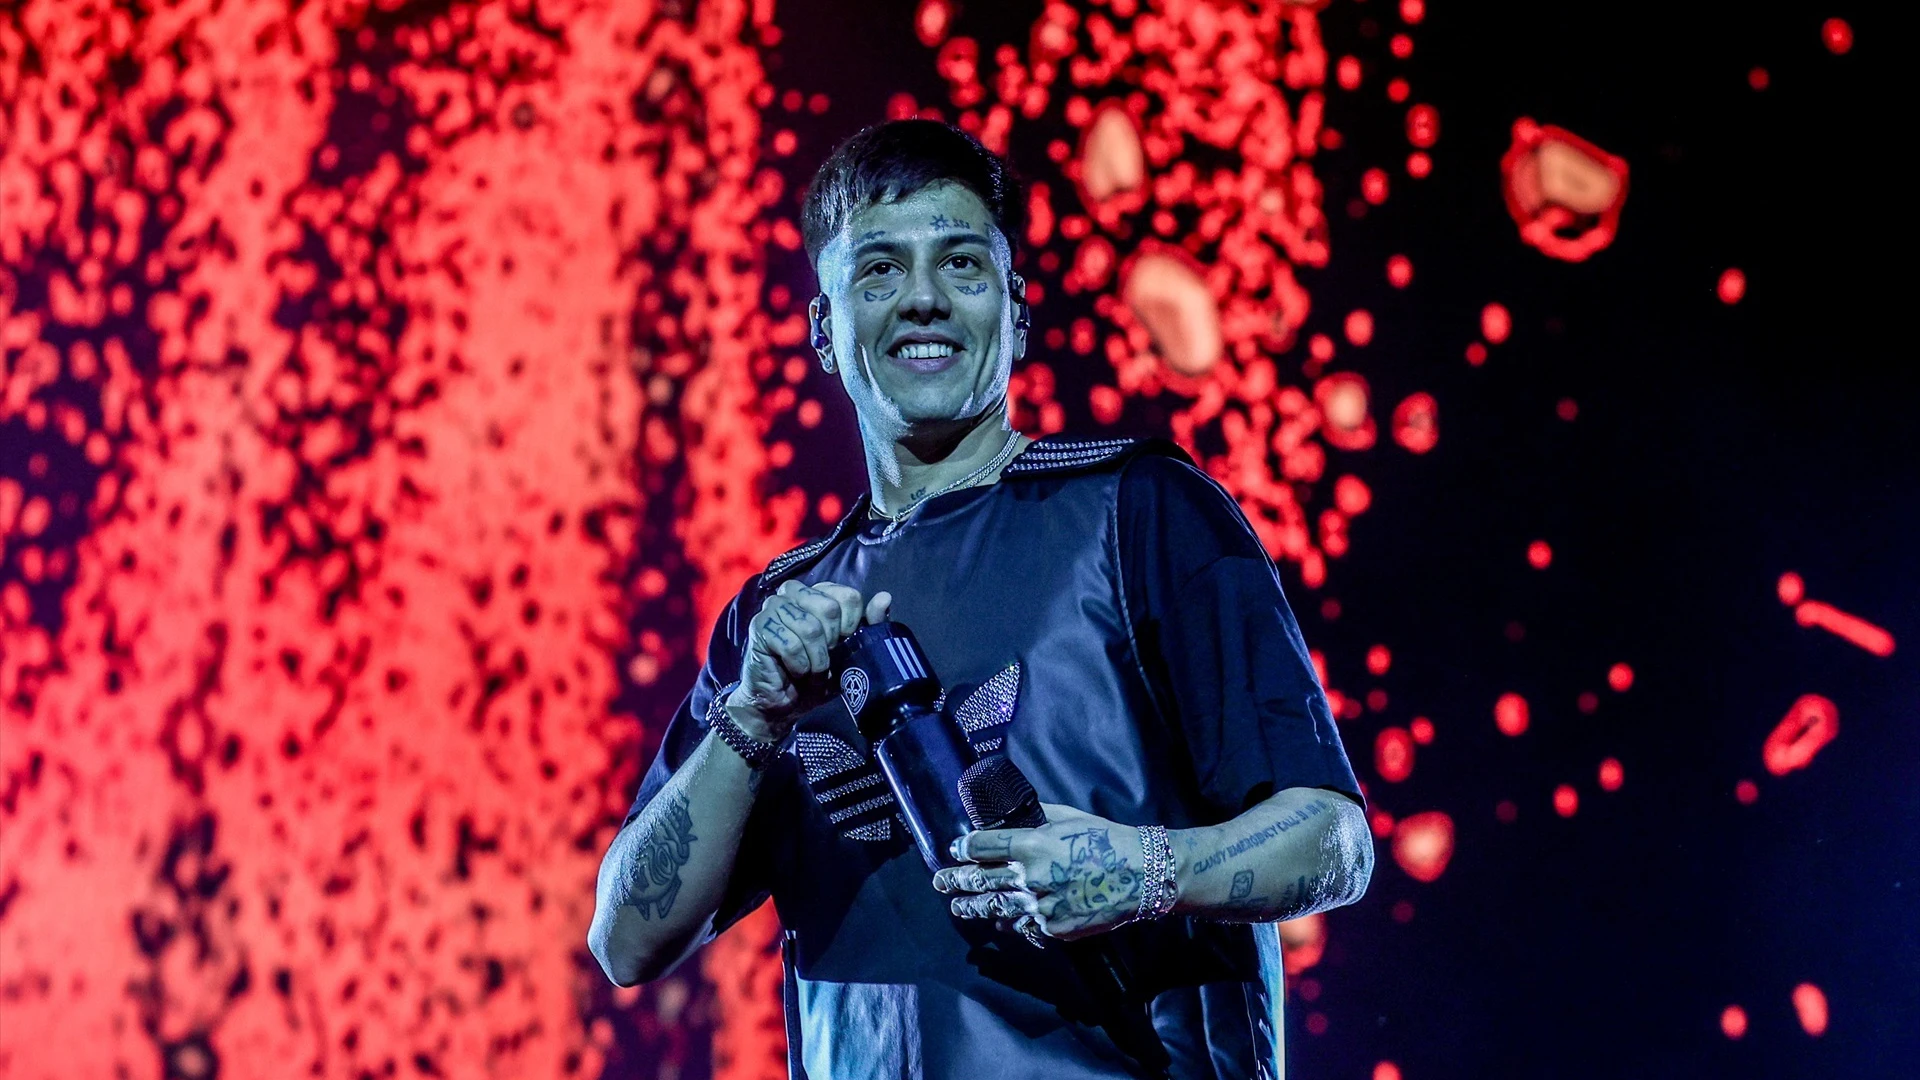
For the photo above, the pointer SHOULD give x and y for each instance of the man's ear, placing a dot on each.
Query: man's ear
(1022, 314)
(818, 312)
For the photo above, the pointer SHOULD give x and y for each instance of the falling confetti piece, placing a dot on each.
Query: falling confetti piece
(1563, 192)
(1732, 285)
(1620, 677)
(1423, 844)
(1416, 423)
(1393, 754)
(1850, 627)
(1539, 555)
(1566, 801)
(1612, 775)
(1809, 725)
(1810, 1005)
(1510, 714)
(1733, 1022)
(1837, 36)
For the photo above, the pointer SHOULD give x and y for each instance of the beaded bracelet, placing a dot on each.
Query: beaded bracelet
(1157, 891)
(754, 752)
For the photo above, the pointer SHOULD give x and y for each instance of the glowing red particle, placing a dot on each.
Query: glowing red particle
(1612, 775)
(1379, 659)
(1106, 404)
(1387, 1070)
(1347, 73)
(1316, 1023)
(1588, 702)
(1837, 36)
(785, 142)
(1320, 347)
(1811, 1006)
(1342, 400)
(1510, 714)
(1309, 989)
(1416, 422)
(1567, 409)
(830, 507)
(1732, 286)
(1402, 911)
(1874, 639)
(1758, 79)
(1563, 192)
(1476, 354)
(1620, 677)
(1423, 126)
(1399, 271)
(1422, 845)
(931, 22)
(1747, 792)
(1304, 940)
(1733, 1021)
(1377, 699)
(1393, 754)
(1506, 812)
(1401, 46)
(1419, 165)
(1791, 588)
(1359, 326)
(1352, 496)
(1411, 12)
(1566, 801)
(1495, 323)
(1539, 555)
(1381, 823)
(1373, 186)
(1809, 725)
(1398, 91)
(901, 106)
(1422, 730)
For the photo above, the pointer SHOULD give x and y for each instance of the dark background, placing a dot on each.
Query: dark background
(1715, 447)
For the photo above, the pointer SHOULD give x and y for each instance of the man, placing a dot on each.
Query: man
(1109, 618)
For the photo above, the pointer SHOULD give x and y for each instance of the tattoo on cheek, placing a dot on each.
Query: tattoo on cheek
(870, 294)
(974, 290)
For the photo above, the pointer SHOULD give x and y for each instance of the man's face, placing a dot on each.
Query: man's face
(920, 316)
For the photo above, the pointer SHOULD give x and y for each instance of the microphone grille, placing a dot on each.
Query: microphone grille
(997, 795)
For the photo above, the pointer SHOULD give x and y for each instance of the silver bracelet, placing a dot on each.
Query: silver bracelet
(1157, 889)
(755, 753)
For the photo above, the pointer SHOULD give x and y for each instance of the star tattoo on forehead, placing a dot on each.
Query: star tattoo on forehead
(939, 221)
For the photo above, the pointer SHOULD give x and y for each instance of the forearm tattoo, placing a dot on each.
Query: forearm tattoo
(1296, 899)
(663, 842)
(1253, 840)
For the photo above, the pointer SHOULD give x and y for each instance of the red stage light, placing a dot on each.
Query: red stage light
(1563, 192)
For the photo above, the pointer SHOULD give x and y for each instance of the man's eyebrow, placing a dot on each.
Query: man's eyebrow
(950, 238)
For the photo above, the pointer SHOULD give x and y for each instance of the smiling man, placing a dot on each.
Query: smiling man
(1101, 613)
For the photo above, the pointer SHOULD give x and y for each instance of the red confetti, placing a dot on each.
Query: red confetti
(1539, 555)
(1852, 628)
(1733, 1021)
(1347, 73)
(1342, 400)
(1373, 186)
(1423, 126)
(1732, 285)
(1393, 754)
(1422, 730)
(1566, 801)
(1495, 323)
(1399, 271)
(1506, 812)
(1567, 409)
(1401, 46)
(1612, 775)
(1379, 659)
(1809, 725)
(1588, 702)
(1381, 823)
(1747, 792)
(1810, 1005)
(1476, 354)
(1411, 12)
(1419, 165)
(1316, 1023)
(1305, 940)
(1510, 714)
(1416, 423)
(1423, 844)
(1359, 326)
(1757, 78)
(1563, 192)
(1620, 677)
(1837, 36)
(1791, 588)
(1387, 1070)
(1398, 90)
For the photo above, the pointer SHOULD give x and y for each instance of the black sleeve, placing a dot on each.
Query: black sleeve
(1218, 639)
(749, 884)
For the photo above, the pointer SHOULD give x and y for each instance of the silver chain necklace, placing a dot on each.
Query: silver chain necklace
(894, 521)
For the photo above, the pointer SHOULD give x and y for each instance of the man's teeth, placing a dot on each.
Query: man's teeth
(931, 350)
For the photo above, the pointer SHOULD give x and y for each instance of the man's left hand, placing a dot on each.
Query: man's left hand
(1073, 877)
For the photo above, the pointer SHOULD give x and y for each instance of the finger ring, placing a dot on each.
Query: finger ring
(1029, 928)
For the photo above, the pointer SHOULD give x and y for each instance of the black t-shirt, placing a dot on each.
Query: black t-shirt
(1239, 711)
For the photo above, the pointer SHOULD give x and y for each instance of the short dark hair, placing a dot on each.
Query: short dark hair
(888, 162)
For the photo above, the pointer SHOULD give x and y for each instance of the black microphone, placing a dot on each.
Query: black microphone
(894, 696)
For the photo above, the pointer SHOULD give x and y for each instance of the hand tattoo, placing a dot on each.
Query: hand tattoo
(1094, 879)
(663, 844)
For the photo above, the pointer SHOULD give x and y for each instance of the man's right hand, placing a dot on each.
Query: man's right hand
(788, 641)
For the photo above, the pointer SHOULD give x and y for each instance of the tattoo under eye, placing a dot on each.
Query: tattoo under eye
(664, 844)
(870, 294)
(973, 290)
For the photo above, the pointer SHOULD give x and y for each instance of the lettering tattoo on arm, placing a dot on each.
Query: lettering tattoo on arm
(1247, 843)
(663, 844)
